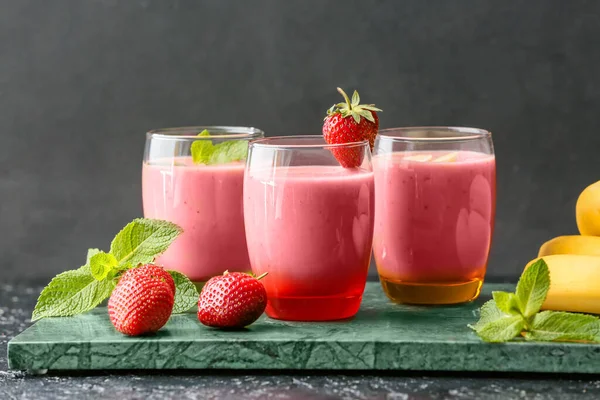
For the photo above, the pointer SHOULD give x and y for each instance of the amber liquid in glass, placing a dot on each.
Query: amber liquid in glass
(431, 293)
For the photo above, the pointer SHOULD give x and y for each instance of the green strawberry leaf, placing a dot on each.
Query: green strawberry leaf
(140, 241)
(355, 99)
(102, 264)
(70, 293)
(186, 294)
(564, 326)
(532, 288)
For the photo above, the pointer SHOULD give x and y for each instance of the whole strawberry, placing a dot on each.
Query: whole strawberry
(232, 300)
(142, 301)
(350, 122)
(153, 271)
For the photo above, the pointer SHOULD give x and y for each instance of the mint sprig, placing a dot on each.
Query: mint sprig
(139, 242)
(509, 315)
(71, 293)
(205, 152)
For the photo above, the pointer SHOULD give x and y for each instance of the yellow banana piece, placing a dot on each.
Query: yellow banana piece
(574, 283)
(587, 210)
(575, 244)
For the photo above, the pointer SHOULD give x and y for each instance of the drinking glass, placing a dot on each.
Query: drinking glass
(204, 198)
(309, 225)
(435, 200)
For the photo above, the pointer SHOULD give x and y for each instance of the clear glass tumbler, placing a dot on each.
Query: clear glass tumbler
(435, 201)
(202, 195)
(309, 224)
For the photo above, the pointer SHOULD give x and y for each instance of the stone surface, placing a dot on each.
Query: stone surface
(17, 300)
(383, 336)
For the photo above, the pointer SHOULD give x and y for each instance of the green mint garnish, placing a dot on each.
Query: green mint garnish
(489, 312)
(70, 293)
(564, 326)
(102, 264)
(139, 242)
(186, 294)
(510, 315)
(502, 329)
(142, 240)
(506, 302)
(532, 288)
(204, 152)
(86, 267)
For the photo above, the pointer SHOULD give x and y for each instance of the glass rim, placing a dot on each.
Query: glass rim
(223, 132)
(455, 133)
(263, 143)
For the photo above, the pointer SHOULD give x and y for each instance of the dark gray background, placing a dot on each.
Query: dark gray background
(82, 80)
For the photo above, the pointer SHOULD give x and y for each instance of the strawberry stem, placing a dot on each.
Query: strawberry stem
(258, 278)
(345, 97)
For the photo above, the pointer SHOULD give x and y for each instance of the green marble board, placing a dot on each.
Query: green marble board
(382, 336)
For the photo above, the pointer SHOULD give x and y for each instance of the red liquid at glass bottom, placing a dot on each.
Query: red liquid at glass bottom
(326, 308)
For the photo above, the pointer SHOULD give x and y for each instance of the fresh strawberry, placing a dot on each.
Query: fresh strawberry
(142, 301)
(154, 271)
(350, 122)
(232, 300)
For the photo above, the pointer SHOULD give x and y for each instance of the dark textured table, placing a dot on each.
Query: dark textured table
(17, 300)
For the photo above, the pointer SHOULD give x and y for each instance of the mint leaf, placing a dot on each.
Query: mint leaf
(564, 326)
(205, 152)
(202, 149)
(489, 312)
(186, 294)
(102, 264)
(501, 330)
(86, 268)
(495, 325)
(70, 293)
(231, 150)
(141, 240)
(506, 302)
(532, 288)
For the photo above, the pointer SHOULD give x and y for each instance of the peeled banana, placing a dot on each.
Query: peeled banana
(574, 283)
(582, 245)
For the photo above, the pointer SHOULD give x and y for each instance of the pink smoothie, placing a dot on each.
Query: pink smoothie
(433, 216)
(206, 201)
(311, 229)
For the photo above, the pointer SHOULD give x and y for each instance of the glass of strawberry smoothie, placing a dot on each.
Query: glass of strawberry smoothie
(309, 224)
(202, 196)
(435, 191)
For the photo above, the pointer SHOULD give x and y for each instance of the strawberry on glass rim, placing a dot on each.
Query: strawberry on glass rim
(350, 122)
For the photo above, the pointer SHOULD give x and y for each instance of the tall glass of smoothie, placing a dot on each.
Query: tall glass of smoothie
(435, 191)
(309, 225)
(194, 178)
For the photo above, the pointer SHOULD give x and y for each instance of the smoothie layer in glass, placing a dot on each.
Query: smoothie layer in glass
(206, 201)
(311, 229)
(434, 216)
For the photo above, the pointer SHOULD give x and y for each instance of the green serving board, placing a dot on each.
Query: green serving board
(382, 336)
